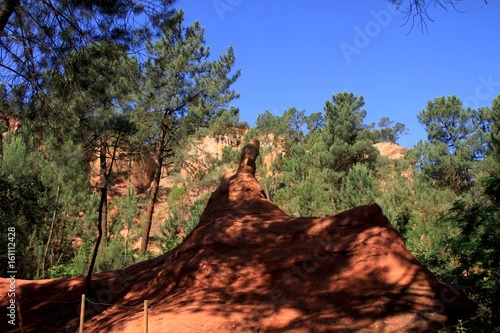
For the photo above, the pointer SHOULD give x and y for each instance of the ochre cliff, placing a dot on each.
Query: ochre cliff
(249, 267)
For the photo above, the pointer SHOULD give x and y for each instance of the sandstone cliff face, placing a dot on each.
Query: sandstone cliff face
(138, 171)
(249, 267)
(212, 147)
(391, 150)
(133, 171)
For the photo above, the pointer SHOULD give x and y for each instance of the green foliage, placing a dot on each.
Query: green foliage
(359, 188)
(429, 242)
(42, 37)
(288, 128)
(64, 170)
(494, 148)
(306, 197)
(396, 193)
(456, 138)
(24, 204)
(402, 223)
(268, 123)
(476, 246)
(296, 166)
(427, 192)
(348, 140)
(47, 198)
(62, 271)
(457, 236)
(315, 121)
(170, 236)
(88, 98)
(81, 261)
(490, 165)
(177, 195)
(314, 198)
(180, 222)
(296, 121)
(386, 133)
(226, 122)
(114, 255)
(230, 156)
(182, 89)
(271, 129)
(300, 190)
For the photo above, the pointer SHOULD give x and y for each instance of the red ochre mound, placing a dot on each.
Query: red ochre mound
(249, 267)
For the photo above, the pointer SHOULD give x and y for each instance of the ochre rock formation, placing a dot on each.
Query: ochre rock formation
(391, 150)
(249, 267)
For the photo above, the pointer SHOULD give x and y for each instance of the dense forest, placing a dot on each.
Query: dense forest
(79, 116)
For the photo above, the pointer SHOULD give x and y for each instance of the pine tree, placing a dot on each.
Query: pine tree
(227, 122)
(347, 139)
(182, 91)
(63, 170)
(25, 202)
(102, 79)
(38, 36)
(456, 139)
(386, 134)
(359, 188)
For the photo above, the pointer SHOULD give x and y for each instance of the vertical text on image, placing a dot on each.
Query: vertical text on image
(11, 271)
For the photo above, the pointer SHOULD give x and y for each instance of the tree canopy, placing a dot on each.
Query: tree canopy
(456, 138)
(348, 139)
(39, 35)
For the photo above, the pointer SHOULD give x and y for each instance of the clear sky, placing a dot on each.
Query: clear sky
(298, 53)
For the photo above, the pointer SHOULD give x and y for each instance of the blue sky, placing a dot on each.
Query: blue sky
(298, 53)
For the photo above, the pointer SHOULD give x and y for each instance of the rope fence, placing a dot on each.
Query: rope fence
(85, 299)
(146, 308)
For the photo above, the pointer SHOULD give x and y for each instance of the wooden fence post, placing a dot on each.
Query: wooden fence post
(146, 316)
(82, 313)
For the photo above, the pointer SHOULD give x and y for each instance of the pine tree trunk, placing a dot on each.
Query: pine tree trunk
(104, 190)
(102, 216)
(51, 230)
(152, 201)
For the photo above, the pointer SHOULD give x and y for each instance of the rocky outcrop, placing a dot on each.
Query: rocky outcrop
(391, 150)
(249, 267)
(202, 152)
(128, 171)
